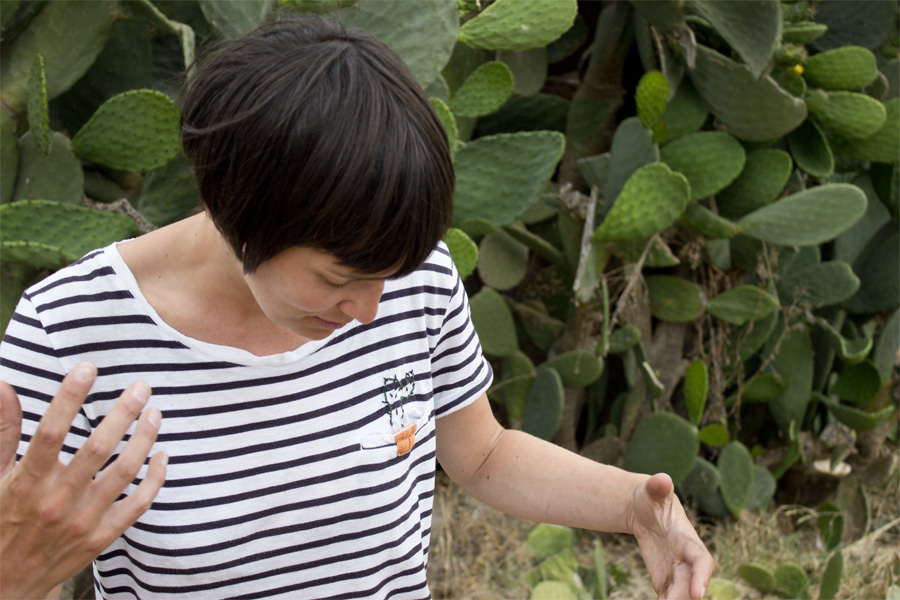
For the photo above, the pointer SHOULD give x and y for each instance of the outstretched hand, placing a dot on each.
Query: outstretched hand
(680, 566)
(55, 519)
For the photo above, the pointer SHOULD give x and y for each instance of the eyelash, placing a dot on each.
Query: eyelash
(336, 286)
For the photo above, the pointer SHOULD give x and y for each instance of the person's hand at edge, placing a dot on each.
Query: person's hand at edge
(680, 566)
(55, 519)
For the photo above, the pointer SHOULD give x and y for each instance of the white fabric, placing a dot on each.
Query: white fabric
(284, 480)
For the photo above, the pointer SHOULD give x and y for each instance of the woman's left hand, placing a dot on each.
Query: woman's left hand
(680, 566)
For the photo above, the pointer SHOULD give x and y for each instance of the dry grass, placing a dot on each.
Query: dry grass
(478, 552)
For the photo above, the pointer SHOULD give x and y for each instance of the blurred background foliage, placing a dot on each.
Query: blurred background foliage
(677, 220)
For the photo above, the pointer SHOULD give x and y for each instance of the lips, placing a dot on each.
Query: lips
(329, 324)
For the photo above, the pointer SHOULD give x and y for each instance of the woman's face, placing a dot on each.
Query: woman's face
(309, 293)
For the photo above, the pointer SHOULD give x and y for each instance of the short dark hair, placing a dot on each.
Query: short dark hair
(304, 133)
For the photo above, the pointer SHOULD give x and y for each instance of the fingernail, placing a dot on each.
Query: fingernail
(85, 372)
(141, 391)
(703, 592)
(155, 417)
(165, 460)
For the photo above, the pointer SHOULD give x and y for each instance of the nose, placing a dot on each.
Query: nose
(363, 304)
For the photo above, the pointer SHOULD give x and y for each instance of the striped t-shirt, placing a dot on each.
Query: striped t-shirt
(286, 477)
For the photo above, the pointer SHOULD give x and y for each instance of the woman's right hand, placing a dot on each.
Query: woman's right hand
(55, 519)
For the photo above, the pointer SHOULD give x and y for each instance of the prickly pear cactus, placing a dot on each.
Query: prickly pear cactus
(651, 199)
(58, 230)
(499, 177)
(512, 25)
(134, 131)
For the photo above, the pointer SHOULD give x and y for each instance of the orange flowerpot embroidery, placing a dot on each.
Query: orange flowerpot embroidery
(405, 439)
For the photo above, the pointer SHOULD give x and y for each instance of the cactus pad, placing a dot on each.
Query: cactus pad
(544, 406)
(516, 25)
(540, 112)
(822, 284)
(9, 157)
(484, 91)
(856, 419)
(662, 442)
(811, 150)
(650, 201)
(831, 577)
(134, 131)
(877, 266)
(807, 218)
(700, 219)
(577, 368)
(847, 114)
(709, 159)
(674, 299)
(742, 304)
(686, 111)
(77, 38)
(57, 176)
(757, 576)
(499, 177)
(791, 581)
(33, 254)
(764, 176)
(494, 323)
(703, 479)
(763, 387)
(424, 38)
(463, 251)
(696, 388)
(883, 145)
(844, 68)
(752, 29)
(74, 230)
(745, 342)
(517, 373)
(502, 261)
(632, 148)
(448, 121)
(754, 110)
(529, 69)
(169, 193)
(651, 96)
(802, 33)
(38, 117)
(736, 467)
(794, 362)
(714, 435)
(234, 19)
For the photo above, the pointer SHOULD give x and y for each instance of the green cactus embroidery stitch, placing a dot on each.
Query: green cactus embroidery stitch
(396, 392)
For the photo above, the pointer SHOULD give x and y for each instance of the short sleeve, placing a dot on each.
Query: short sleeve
(460, 372)
(28, 363)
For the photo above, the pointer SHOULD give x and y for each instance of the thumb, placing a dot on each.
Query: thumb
(10, 427)
(659, 487)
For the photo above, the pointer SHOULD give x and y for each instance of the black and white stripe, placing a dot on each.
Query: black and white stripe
(283, 479)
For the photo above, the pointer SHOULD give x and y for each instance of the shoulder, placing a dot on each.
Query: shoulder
(87, 273)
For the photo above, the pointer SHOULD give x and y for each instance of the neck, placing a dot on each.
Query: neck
(190, 276)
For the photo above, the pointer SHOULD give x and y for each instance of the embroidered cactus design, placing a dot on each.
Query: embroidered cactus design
(396, 392)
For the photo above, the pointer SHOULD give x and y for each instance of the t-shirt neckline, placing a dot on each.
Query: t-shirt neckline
(214, 351)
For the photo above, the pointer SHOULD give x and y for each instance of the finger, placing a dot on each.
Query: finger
(10, 427)
(121, 473)
(91, 457)
(702, 572)
(123, 515)
(659, 487)
(681, 579)
(43, 451)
